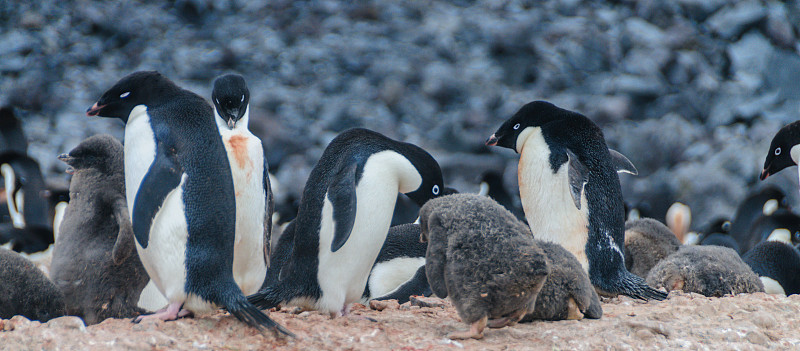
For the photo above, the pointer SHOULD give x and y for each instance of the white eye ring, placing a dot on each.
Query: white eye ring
(435, 190)
(124, 95)
(516, 126)
(242, 99)
(777, 151)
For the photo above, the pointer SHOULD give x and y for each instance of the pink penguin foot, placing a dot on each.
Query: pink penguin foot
(172, 312)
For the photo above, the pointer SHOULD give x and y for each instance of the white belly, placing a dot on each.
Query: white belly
(246, 158)
(342, 275)
(388, 276)
(547, 201)
(140, 152)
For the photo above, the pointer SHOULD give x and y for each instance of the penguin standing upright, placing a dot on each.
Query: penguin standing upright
(180, 196)
(570, 191)
(325, 255)
(254, 203)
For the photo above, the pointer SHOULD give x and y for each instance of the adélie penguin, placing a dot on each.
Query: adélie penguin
(254, 204)
(783, 150)
(570, 191)
(325, 256)
(180, 196)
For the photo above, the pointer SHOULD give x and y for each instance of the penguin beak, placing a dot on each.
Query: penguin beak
(764, 174)
(65, 158)
(492, 141)
(94, 110)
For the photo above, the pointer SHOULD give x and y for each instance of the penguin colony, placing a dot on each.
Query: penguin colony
(186, 207)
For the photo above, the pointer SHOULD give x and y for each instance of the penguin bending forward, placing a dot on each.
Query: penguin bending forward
(570, 191)
(180, 196)
(254, 203)
(325, 256)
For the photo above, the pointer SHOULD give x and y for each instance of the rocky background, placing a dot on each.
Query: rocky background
(692, 91)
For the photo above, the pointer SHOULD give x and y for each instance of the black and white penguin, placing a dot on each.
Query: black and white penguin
(26, 192)
(395, 272)
(766, 226)
(717, 233)
(777, 263)
(571, 193)
(180, 196)
(254, 203)
(94, 259)
(712, 271)
(325, 255)
(12, 137)
(26, 290)
(762, 202)
(484, 259)
(783, 150)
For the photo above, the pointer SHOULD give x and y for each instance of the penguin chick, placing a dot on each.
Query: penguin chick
(712, 271)
(647, 241)
(484, 259)
(777, 264)
(95, 263)
(567, 293)
(26, 290)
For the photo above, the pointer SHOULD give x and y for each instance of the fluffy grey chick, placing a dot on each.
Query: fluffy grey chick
(483, 258)
(647, 241)
(94, 260)
(26, 291)
(567, 293)
(707, 270)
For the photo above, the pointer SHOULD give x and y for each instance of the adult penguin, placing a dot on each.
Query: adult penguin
(571, 193)
(180, 196)
(325, 255)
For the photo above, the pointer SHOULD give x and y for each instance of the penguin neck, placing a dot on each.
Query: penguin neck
(546, 200)
(241, 125)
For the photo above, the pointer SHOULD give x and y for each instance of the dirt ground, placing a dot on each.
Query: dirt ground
(686, 321)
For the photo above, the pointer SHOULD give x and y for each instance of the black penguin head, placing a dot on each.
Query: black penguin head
(230, 97)
(432, 183)
(534, 114)
(102, 152)
(780, 150)
(138, 88)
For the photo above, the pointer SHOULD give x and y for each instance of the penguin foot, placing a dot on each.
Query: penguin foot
(507, 321)
(172, 312)
(475, 331)
(573, 311)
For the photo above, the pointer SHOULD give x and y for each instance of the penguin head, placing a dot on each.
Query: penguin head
(534, 114)
(432, 184)
(138, 88)
(783, 151)
(102, 152)
(230, 97)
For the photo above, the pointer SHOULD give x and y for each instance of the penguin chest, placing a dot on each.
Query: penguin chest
(342, 275)
(246, 158)
(139, 151)
(547, 202)
(164, 259)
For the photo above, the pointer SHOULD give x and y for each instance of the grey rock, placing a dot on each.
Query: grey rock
(733, 20)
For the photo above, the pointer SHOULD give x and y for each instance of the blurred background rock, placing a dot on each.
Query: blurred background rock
(692, 91)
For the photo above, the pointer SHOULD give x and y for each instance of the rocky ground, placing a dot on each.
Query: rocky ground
(684, 321)
(691, 91)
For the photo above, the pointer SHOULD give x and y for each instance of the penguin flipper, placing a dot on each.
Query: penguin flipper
(342, 195)
(578, 176)
(123, 246)
(163, 176)
(270, 202)
(621, 163)
(417, 285)
(436, 256)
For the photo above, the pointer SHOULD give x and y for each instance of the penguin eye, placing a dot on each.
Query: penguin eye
(777, 151)
(797, 236)
(516, 126)
(242, 99)
(435, 190)
(726, 226)
(124, 95)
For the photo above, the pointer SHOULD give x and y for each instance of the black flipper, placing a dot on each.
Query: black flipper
(578, 176)
(342, 194)
(622, 164)
(163, 176)
(417, 285)
(270, 202)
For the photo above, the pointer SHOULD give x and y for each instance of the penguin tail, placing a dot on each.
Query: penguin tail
(263, 299)
(252, 316)
(630, 285)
